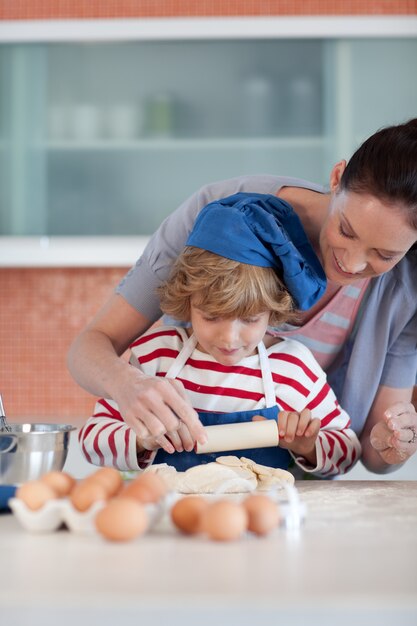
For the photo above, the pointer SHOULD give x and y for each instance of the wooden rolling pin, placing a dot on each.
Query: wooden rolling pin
(240, 436)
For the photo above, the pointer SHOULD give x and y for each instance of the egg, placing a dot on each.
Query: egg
(147, 488)
(110, 478)
(154, 483)
(263, 514)
(136, 491)
(86, 493)
(35, 494)
(122, 519)
(225, 520)
(61, 482)
(187, 514)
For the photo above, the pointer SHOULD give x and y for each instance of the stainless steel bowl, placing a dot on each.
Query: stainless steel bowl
(30, 450)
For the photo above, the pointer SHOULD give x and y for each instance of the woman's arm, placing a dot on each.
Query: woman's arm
(93, 358)
(389, 429)
(152, 405)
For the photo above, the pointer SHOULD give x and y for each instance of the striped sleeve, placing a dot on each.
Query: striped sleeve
(106, 440)
(301, 383)
(337, 446)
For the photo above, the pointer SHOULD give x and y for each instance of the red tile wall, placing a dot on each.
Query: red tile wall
(42, 310)
(47, 9)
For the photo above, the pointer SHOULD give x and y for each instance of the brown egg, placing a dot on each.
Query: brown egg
(110, 478)
(35, 494)
(136, 491)
(263, 514)
(146, 488)
(187, 514)
(154, 483)
(225, 520)
(86, 493)
(122, 519)
(61, 482)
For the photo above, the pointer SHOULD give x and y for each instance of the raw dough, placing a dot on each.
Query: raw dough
(228, 474)
(206, 478)
(268, 477)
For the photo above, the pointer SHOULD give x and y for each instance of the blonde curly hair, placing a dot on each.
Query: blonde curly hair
(223, 288)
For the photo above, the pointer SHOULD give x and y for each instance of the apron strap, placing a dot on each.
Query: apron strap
(269, 388)
(182, 358)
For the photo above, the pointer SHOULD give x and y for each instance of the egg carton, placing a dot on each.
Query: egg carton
(61, 513)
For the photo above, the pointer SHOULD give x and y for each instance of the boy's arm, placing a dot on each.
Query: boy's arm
(337, 446)
(107, 440)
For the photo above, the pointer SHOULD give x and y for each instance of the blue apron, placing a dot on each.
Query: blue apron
(274, 457)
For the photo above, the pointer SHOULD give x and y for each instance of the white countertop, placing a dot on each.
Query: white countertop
(353, 561)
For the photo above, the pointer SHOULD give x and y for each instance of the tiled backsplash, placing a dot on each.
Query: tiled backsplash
(42, 310)
(48, 9)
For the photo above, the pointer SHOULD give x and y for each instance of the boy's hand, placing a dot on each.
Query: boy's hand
(298, 432)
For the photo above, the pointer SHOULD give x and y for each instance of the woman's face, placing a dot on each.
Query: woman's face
(362, 237)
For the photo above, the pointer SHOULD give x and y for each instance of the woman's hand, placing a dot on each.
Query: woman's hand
(395, 436)
(173, 441)
(159, 412)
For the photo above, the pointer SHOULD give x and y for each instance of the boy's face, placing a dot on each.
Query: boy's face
(228, 340)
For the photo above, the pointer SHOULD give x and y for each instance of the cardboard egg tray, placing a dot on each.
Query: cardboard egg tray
(61, 513)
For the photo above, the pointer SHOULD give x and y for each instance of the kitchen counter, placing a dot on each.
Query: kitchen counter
(354, 559)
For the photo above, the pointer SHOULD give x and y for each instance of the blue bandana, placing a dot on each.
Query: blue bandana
(260, 229)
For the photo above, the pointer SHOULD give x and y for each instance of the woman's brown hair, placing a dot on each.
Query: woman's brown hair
(385, 166)
(223, 288)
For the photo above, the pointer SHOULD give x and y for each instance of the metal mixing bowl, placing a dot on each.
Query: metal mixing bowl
(30, 450)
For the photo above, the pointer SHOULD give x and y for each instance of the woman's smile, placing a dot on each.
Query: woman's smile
(345, 272)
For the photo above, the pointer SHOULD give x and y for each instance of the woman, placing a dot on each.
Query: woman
(364, 232)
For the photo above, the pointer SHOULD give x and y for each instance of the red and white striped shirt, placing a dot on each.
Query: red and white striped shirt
(299, 383)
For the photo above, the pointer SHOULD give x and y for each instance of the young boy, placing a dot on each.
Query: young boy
(228, 286)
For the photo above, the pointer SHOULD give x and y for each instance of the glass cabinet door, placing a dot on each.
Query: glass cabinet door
(109, 138)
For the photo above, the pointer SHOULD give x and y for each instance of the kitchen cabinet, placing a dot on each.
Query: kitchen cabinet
(108, 137)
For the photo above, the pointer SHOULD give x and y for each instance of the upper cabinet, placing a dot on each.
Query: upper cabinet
(108, 138)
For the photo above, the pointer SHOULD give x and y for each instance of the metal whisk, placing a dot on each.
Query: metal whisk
(4, 426)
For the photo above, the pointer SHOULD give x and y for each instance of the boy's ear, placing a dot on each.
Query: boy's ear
(336, 175)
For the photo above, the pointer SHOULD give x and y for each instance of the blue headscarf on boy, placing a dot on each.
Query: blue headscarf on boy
(263, 230)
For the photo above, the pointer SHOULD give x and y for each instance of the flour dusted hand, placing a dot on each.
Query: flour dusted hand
(395, 437)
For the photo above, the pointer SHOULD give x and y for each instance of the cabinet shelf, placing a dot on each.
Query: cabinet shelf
(216, 143)
(112, 136)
